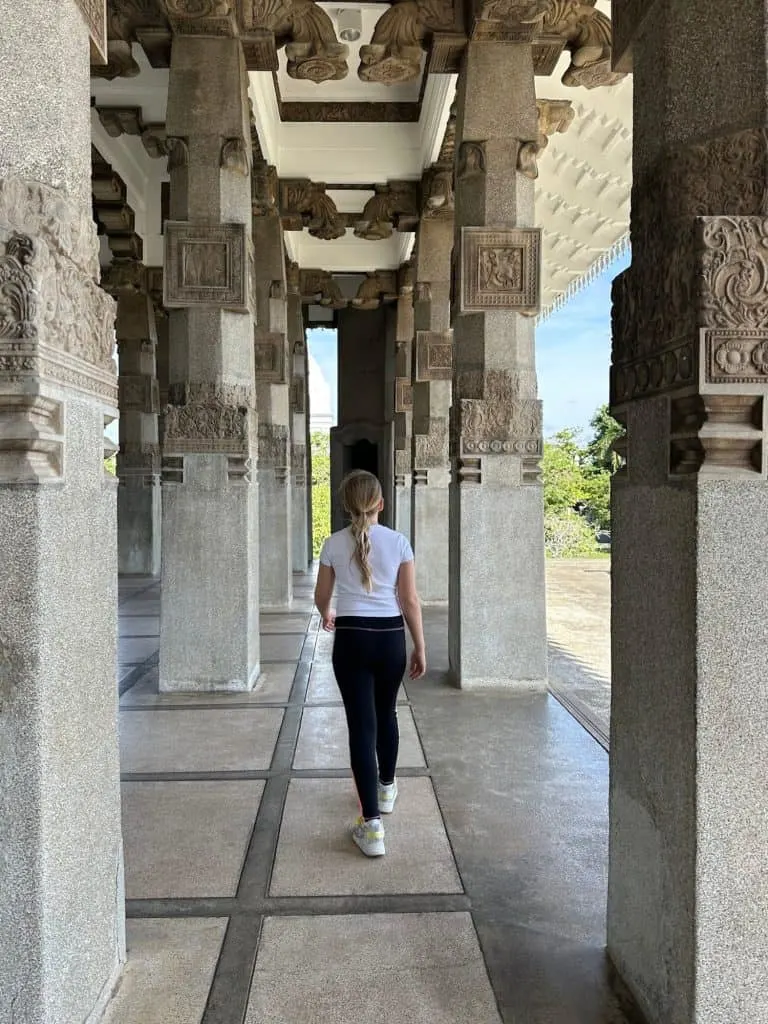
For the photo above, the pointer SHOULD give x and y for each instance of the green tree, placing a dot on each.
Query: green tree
(321, 490)
(562, 471)
(606, 430)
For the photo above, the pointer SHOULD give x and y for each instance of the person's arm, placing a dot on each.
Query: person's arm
(411, 608)
(326, 579)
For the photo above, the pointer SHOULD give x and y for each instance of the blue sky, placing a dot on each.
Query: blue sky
(573, 354)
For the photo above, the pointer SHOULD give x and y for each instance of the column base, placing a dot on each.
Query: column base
(139, 510)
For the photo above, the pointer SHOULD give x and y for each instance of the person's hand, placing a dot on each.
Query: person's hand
(329, 622)
(418, 664)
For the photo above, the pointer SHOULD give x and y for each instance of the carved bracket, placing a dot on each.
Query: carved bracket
(305, 204)
(304, 29)
(394, 54)
(379, 286)
(319, 286)
(395, 206)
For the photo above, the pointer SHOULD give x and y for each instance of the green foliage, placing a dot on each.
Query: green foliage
(321, 490)
(110, 465)
(575, 474)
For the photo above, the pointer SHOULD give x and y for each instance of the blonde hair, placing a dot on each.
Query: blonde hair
(361, 496)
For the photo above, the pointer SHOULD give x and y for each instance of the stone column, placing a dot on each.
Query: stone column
(298, 346)
(209, 629)
(431, 375)
(497, 606)
(273, 372)
(404, 400)
(138, 460)
(61, 888)
(688, 888)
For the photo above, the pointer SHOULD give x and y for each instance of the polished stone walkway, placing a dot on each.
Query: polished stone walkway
(248, 903)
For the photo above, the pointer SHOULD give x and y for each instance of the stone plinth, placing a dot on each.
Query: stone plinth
(496, 508)
(59, 766)
(687, 884)
(209, 629)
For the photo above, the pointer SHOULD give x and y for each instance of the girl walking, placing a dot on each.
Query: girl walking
(373, 572)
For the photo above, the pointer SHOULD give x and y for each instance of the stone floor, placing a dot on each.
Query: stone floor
(248, 903)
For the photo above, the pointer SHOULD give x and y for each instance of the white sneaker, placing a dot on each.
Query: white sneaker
(369, 836)
(387, 797)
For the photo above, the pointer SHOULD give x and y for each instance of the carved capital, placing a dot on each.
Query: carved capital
(305, 204)
(394, 206)
(437, 196)
(319, 286)
(307, 32)
(394, 54)
(265, 189)
(379, 286)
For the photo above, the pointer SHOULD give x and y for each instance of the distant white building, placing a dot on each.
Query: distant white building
(320, 403)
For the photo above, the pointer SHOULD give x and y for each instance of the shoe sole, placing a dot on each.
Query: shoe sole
(369, 852)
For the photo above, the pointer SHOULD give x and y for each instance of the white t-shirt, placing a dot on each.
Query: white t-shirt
(389, 550)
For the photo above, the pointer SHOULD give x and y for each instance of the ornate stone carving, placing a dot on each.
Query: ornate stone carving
(319, 286)
(273, 445)
(471, 160)
(588, 38)
(298, 396)
(305, 29)
(394, 54)
(403, 395)
(265, 189)
(178, 153)
(430, 442)
(501, 421)
(299, 464)
(434, 356)
(500, 269)
(554, 116)
(437, 192)
(205, 265)
(235, 157)
(119, 121)
(17, 289)
(207, 417)
(203, 17)
(395, 205)
(734, 272)
(269, 357)
(292, 278)
(119, 64)
(305, 204)
(403, 462)
(95, 15)
(55, 322)
(379, 286)
(406, 278)
(349, 113)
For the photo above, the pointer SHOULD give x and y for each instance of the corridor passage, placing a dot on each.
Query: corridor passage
(248, 902)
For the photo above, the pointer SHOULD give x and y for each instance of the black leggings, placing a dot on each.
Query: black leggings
(369, 663)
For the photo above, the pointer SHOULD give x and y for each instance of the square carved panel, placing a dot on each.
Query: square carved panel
(95, 14)
(500, 269)
(403, 395)
(205, 265)
(434, 356)
(269, 357)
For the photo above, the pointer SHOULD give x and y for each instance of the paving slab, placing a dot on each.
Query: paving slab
(316, 856)
(186, 839)
(323, 739)
(372, 969)
(183, 739)
(273, 687)
(169, 971)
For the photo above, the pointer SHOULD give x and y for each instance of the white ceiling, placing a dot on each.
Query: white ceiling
(583, 189)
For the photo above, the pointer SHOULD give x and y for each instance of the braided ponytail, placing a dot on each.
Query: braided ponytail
(361, 496)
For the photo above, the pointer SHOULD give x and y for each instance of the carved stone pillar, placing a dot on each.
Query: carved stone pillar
(497, 606)
(404, 400)
(138, 461)
(688, 887)
(59, 766)
(431, 361)
(209, 635)
(273, 374)
(298, 346)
